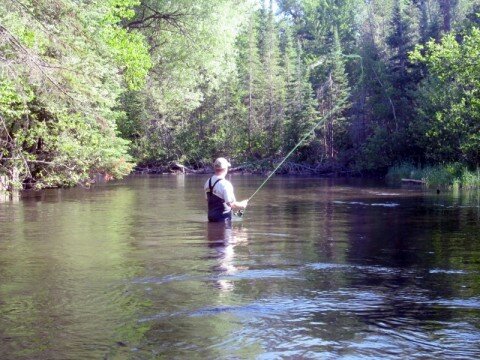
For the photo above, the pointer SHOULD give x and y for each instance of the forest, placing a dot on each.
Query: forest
(104, 86)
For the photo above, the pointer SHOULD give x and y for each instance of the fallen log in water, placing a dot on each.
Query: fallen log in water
(413, 181)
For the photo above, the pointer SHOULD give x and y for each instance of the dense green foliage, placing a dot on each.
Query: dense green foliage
(449, 111)
(94, 86)
(63, 65)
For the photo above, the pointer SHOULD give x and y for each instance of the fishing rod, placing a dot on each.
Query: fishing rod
(240, 213)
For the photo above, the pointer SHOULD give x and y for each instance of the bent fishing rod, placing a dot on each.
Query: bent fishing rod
(240, 213)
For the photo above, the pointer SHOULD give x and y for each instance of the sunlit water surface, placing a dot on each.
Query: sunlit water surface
(317, 269)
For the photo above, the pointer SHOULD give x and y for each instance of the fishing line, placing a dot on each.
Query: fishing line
(348, 56)
(240, 213)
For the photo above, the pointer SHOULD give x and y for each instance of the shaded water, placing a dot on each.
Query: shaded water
(316, 269)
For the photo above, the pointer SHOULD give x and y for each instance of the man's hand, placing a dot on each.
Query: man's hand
(239, 205)
(243, 204)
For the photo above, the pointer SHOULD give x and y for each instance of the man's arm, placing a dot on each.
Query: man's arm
(230, 197)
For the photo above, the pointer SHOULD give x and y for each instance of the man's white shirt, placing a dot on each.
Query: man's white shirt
(223, 189)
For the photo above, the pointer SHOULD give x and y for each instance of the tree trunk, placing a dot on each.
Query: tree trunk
(3, 189)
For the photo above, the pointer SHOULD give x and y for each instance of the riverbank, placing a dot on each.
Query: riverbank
(449, 176)
(261, 167)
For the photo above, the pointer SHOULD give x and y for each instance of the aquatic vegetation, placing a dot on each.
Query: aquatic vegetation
(454, 175)
(403, 171)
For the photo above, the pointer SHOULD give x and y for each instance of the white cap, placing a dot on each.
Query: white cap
(221, 163)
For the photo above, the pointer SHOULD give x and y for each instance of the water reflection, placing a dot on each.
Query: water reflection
(223, 238)
(59, 265)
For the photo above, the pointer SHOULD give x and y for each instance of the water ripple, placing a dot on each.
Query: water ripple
(389, 204)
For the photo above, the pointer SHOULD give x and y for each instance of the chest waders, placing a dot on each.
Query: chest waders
(218, 210)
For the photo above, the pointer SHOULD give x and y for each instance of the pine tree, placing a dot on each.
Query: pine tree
(300, 103)
(289, 55)
(333, 99)
(274, 83)
(424, 21)
(429, 23)
(402, 83)
(447, 8)
(252, 82)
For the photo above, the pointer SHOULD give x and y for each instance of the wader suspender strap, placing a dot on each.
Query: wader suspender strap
(210, 184)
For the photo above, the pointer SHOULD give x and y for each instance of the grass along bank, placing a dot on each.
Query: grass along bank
(448, 176)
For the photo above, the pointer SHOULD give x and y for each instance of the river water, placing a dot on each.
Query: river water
(316, 269)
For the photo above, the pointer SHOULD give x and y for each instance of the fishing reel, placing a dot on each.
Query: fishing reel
(239, 213)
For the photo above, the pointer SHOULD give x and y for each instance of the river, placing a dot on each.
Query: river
(317, 268)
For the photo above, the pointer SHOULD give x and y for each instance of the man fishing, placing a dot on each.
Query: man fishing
(220, 195)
